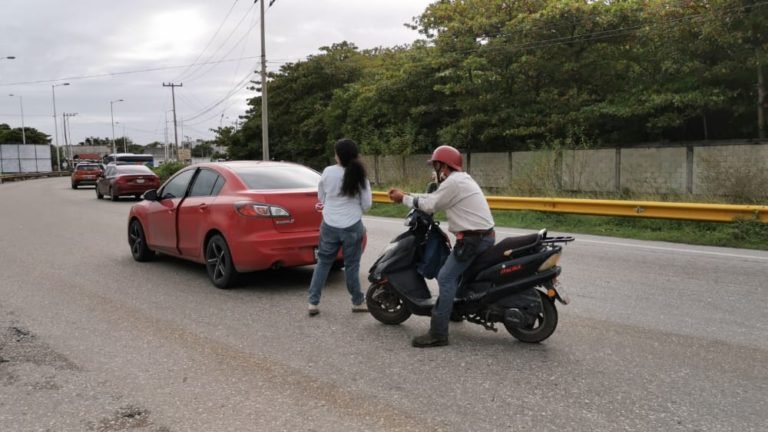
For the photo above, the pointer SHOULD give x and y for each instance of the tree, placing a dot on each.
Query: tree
(10, 135)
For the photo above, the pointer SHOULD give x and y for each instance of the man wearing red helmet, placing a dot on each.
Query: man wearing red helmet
(469, 219)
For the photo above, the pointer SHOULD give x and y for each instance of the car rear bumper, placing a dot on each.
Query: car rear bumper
(275, 250)
(133, 189)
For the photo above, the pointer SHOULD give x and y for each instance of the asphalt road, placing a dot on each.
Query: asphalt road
(659, 337)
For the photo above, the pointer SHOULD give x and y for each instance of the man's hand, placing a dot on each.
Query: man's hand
(396, 195)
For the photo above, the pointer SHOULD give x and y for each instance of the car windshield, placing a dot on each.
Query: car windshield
(133, 169)
(278, 177)
(88, 167)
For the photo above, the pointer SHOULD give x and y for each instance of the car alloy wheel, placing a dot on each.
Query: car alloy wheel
(218, 262)
(138, 242)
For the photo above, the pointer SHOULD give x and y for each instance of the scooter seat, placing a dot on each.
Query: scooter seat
(510, 247)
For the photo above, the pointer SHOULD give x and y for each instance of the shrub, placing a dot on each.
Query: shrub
(166, 170)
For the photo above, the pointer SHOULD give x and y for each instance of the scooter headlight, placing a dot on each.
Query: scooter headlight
(550, 262)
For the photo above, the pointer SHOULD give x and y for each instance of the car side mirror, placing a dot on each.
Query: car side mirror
(150, 195)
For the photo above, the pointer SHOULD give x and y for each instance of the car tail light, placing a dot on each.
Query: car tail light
(121, 179)
(253, 209)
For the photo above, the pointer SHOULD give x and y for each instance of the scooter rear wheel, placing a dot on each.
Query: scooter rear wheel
(540, 329)
(385, 304)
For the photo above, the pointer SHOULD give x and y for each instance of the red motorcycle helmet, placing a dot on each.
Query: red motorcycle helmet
(449, 156)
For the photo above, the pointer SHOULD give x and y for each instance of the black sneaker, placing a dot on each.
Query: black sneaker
(429, 340)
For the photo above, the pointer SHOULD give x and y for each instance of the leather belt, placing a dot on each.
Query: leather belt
(470, 233)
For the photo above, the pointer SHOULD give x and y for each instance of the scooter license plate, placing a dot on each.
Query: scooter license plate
(562, 296)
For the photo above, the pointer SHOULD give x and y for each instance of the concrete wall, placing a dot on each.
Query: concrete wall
(729, 170)
(492, 170)
(653, 170)
(714, 168)
(589, 170)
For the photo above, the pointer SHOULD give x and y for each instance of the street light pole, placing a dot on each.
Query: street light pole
(112, 114)
(56, 125)
(21, 107)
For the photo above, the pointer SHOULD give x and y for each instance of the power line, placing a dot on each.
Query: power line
(210, 41)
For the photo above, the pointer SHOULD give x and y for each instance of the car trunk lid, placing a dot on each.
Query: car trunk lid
(299, 205)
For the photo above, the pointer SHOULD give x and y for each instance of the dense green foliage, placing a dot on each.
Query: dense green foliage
(166, 170)
(500, 75)
(10, 135)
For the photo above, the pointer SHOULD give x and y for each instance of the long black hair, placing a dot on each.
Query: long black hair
(354, 170)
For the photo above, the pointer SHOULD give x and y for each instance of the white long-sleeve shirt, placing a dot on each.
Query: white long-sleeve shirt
(341, 211)
(462, 199)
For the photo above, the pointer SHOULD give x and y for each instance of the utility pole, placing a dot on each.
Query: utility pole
(175, 132)
(68, 132)
(264, 114)
(56, 124)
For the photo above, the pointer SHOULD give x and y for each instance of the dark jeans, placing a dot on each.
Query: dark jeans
(448, 281)
(350, 239)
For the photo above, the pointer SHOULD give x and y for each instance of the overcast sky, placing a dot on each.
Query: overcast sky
(109, 50)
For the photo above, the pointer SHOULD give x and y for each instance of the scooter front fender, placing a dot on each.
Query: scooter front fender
(412, 288)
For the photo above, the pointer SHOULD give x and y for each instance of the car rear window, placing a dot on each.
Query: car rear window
(88, 167)
(133, 169)
(278, 177)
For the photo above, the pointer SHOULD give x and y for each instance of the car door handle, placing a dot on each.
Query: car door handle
(203, 207)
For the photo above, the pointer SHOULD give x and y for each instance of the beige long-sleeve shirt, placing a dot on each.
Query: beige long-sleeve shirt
(462, 199)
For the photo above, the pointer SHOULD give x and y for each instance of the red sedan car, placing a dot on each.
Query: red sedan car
(231, 216)
(119, 180)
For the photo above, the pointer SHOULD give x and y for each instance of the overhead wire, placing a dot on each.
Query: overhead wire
(210, 41)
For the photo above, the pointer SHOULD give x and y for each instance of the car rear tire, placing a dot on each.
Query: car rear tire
(218, 262)
(74, 185)
(138, 242)
(113, 195)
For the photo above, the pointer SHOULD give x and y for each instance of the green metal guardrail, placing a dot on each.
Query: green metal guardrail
(642, 209)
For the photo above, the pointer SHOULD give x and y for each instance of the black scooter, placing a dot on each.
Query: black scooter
(514, 282)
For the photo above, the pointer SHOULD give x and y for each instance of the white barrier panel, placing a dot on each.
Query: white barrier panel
(19, 158)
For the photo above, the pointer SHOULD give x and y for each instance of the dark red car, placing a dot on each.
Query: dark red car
(85, 173)
(119, 180)
(231, 216)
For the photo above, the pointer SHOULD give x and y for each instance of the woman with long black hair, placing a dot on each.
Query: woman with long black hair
(345, 194)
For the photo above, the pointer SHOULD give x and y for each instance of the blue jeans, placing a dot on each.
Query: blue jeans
(448, 281)
(350, 239)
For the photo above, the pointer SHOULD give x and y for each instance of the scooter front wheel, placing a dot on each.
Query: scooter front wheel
(386, 305)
